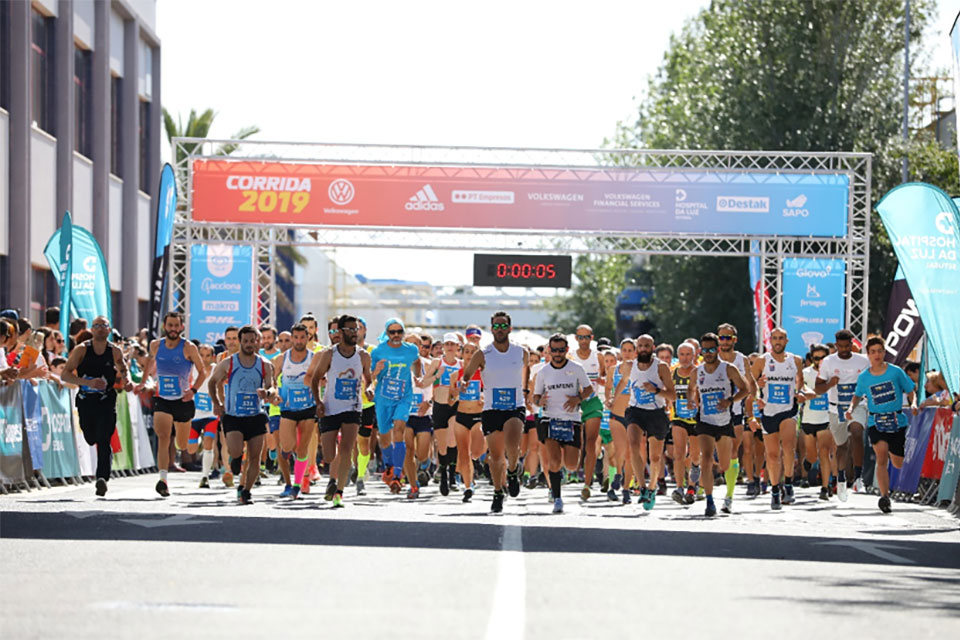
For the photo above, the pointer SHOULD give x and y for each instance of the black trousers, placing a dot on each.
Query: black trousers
(98, 421)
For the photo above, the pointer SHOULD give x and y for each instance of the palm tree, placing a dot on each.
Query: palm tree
(198, 126)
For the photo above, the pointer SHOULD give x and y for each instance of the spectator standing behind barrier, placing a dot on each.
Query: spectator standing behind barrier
(96, 366)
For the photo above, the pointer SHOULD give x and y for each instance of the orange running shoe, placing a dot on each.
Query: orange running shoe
(394, 486)
(387, 476)
(305, 486)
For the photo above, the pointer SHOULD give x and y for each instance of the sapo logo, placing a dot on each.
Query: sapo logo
(219, 260)
(794, 208)
(341, 191)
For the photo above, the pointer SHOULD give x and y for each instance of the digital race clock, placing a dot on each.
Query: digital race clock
(521, 270)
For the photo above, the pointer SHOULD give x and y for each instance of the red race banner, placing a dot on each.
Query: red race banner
(939, 439)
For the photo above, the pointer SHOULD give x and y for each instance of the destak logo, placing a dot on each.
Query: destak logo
(424, 200)
(341, 191)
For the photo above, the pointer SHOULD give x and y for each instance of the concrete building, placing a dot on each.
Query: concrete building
(80, 127)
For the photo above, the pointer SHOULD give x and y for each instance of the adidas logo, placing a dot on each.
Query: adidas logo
(424, 200)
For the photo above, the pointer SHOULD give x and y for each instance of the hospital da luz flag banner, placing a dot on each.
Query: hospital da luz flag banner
(923, 224)
(89, 291)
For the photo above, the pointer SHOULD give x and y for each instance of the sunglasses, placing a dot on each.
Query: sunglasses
(499, 326)
(726, 337)
(395, 332)
(333, 332)
(348, 330)
(817, 358)
(709, 350)
(556, 350)
(584, 337)
(100, 325)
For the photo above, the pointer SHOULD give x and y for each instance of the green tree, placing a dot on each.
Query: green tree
(809, 75)
(598, 280)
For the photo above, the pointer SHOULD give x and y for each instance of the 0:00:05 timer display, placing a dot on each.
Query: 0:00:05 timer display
(521, 270)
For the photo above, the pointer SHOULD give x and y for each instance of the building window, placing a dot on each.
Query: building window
(42, 68)
(45, 294)
(116, 91)
(83, 101)
(5, 55)
(145, 146)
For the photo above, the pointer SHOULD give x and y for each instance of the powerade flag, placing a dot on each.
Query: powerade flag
(65, 269)
(166, 207)
(89, 290)
(924, 228)
(903, 328)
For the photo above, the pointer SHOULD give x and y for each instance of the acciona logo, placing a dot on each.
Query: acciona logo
(424, 200)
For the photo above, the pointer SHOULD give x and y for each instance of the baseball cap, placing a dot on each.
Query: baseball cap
(473, 332)
(450, 337)
(10, 314)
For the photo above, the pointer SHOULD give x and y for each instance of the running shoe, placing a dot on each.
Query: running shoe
(497, 505)
(842, 491)
(214, 474)
(295, 492)
(617, 482)
(753, 489)
(467, 494)
(394, 486)
(305, 487)
(558, 505)
(387, 476)
(444, 483)
(245, 497)
(605, 485)
(162, 488)
(884, 504)
(690, 497)
(331, 490)
(677, 496)
(228, 478)
(626, 496)
(338, 501)
(532, 482)
(775, 503)
(858, 486)
(413, 493)
(454, 485)
(361, 487)
(353, 475)
(423, 477)
(662, 487)
(727, 505)
(239, 494)
(612, 496)
(788, 494)
(513, 482)
(101, 487)
(287, 491)
(824, 493)
(711, 510)
(204, 483)
(650, 500)
(585, 493)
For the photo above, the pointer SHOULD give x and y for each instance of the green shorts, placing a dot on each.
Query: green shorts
(592, 408)
(605, 436)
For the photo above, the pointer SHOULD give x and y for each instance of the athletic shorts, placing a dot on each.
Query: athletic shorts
(895, 440)
(591, 408)
(98, 417)
(771, 424)
(389, 411)
(529, 424)
(543, 429)
(310, 413)
(737, 419)
(420, 424)
(839, 426)
(180, 410)
(653, 422)
(442, 414)
(715, 432)
(814, 429)
(468, 419)
(689, 427)
(493, 420)
(337, 420)
(368, 421)
(249, 426)
(605, 436)
(202, 428)
(622, 420)
(273, 423)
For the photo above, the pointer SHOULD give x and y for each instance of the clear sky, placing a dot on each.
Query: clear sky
(517, 74)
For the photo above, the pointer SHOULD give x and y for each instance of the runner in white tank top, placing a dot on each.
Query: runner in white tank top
(505, 371)
(296, 422)
(816, 422)
(727, 333)
(591, 411)
(779, 375)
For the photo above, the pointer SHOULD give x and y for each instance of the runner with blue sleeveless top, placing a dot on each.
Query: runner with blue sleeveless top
(248, 382)
(173, 358)
(396, 367)
(884, 386)
(618, 422)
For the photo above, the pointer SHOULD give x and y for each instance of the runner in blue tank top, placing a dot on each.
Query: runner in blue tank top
(173, 359)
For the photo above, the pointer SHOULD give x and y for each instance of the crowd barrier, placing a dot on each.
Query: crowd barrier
(40, 437)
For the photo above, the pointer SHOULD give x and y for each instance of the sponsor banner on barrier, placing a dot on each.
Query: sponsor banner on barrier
(951, 464)
(221, 289)
(587, 199)
(813, 300)
(939, 442)
(11, 434)
(32, 429)
(907, 478)
(59, 449)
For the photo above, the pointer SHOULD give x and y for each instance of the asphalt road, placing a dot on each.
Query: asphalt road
(137, 565)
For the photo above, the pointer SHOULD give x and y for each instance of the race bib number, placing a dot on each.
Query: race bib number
(561, 430)
(415, 404)
(778, 393)
(445, 376)
(299, 398)
(681, 410)
(887, 422)
(392, 388)
(845, 393)
(346, 388)
(202, 402)
(248, 404)
(642, 396)
(472, 392)
(817, 404)
(711, 402)
(505, 399)
(169, 386)
(883, 393)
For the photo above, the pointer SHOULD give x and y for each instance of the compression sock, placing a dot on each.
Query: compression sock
(207, 462)
(273, 454)
(362, 462)
(857, 473)
(842, 476)
(555, 484)
(386, 454)
(236, 465)
(399, 455)
(299, 470)
(442, 460)
(452, 455)
(731, 475)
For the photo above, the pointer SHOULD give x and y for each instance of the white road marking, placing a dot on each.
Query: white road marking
(508, 615)
(171, 521)
(875, 549)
